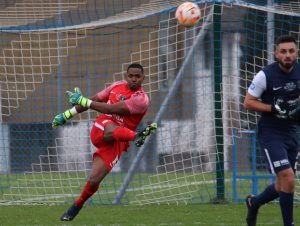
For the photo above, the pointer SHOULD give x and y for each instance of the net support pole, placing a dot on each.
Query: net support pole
(270, 34)
(218, 102)
(162, 110)
(59, 67)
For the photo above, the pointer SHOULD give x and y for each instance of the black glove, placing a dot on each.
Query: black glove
(280, 108)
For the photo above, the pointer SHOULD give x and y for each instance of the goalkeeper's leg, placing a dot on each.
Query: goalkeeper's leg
(99, 171)
(107, 130)
(104, 159)
(112, 132)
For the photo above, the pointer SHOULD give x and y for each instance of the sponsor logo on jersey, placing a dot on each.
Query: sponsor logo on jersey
(118, 119)
(290, 86)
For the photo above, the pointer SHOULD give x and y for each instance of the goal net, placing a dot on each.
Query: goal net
(205, 148)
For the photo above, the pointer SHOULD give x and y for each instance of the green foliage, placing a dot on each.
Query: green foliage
(131, 215)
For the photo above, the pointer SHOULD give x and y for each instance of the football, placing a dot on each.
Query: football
(188, 14)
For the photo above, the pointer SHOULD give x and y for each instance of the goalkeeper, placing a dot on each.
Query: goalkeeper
(123, 105)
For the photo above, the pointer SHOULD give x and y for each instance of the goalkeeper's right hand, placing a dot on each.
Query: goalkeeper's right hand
(61, 118)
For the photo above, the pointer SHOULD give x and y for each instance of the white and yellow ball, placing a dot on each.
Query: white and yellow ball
(188, 14)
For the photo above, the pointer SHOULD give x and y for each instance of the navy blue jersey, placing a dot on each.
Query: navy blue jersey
(277, 136)
(284, 86)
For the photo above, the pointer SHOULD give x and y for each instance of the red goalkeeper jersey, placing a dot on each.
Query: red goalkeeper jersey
(137, 102)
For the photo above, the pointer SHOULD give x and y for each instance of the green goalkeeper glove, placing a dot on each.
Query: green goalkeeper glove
(77, 98)
(61, 118)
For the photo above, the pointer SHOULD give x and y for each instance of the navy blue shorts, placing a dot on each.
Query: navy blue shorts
(280, 148)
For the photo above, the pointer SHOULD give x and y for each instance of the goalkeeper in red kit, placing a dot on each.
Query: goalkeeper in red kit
(123, 106)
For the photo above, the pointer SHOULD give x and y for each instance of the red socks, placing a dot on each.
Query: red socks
(87, 192)
(123, 134)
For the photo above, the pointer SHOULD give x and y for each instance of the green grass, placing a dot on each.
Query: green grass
(131, 215)
(170, 187)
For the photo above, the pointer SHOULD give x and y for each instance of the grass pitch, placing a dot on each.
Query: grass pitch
(131, 215)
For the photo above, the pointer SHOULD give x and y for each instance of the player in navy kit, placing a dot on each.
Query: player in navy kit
(275, 92)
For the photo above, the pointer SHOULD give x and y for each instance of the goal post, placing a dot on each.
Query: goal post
(196, 78)
(217, 36)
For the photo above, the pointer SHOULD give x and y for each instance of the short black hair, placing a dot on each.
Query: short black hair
(284, 39)
(136, 65)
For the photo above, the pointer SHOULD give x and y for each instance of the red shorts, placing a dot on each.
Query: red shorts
(109, 152)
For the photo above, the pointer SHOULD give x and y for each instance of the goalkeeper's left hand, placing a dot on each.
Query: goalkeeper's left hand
(77, 98)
